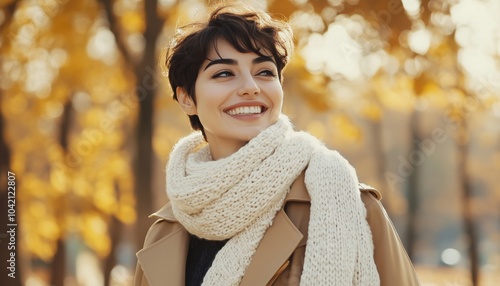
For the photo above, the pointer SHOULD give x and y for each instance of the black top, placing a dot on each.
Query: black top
(201, 254)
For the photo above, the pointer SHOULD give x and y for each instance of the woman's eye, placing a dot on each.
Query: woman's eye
(267, 73)
(222, 74)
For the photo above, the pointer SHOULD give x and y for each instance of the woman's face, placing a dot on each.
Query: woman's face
(237, 96)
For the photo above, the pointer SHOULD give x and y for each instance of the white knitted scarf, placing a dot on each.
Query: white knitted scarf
(237, 198)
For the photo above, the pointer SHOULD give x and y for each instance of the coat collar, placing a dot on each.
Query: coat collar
(165, 259)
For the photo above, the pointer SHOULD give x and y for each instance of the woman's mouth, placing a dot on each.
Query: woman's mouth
(246, 110)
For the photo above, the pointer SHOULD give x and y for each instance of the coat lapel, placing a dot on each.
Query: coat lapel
(275, 248)
(279, 242)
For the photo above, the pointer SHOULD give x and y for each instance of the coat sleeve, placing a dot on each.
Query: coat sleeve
(393, 264)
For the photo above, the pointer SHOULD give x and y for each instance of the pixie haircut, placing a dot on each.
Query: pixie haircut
(246, 29)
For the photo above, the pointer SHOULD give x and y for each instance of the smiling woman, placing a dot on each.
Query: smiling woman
(253, 202)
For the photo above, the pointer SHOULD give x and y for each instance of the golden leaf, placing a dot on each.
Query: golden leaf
(132, 22)
(95, 233)
(317, 128)
(371, 111)
(103, 197)
(345, 128)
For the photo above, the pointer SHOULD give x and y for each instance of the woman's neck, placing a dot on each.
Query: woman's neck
(223, 148)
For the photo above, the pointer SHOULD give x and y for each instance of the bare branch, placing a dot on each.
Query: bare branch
(9, 13)
(115, 29)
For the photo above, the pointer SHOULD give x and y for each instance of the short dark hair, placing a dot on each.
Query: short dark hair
(246, 29)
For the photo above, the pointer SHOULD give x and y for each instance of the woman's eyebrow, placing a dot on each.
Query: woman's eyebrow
(262, 59)
(221, 61)
(257, 60)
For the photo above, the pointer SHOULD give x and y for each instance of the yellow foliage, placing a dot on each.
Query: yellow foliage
(95, 233)
(14, 105)
(104, 198)
(59, 179)
(126, 214)
(114, 141)
(92, 116)
(395, 93)
(81, 186)
(317, 129)
(283, 7)
(298, 81)
(132, 22)
(165, 138)
(345, 129)
(372, 111)
(41, 248)
(430, 89)
(49, 229)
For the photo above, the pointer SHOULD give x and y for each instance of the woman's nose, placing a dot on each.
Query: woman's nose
(248, 86)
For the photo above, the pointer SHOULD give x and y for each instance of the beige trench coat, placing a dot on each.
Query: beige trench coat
(280, 255)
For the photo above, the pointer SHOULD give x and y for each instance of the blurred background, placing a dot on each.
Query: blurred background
(408, 91)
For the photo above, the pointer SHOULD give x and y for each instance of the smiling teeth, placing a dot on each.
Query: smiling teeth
(245, 110)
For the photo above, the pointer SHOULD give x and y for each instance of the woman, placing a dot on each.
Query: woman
(252, 202)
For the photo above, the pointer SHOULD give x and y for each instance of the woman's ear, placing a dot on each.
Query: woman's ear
(186, 103)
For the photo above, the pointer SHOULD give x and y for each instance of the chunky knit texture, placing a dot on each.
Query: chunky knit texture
(237, 198)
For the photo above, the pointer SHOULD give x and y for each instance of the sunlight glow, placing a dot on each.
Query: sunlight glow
(412, 7)
(443, 22)
(413, 66)
(54, 109)
(102, 46)
(371, 63)
(419, 40)
(451, 256)
(312, 21)
(496, 109)
(334, 52)
(39, 74)
(350, 48)
(81, 101)
(58, 57)
(38, 16)
(136, 43)
(87, 270)
(165, 4)
(476, 63)
(121, 275)
(477, 32)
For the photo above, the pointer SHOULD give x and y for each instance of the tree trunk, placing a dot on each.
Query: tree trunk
(115, 231)
(412, 186)
(146, 84)
(5, 238)
(378, 150)
(467, 211)
(58, 265)
(5, 167)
